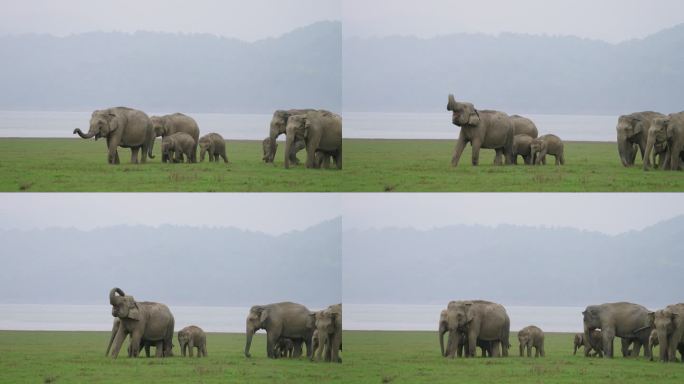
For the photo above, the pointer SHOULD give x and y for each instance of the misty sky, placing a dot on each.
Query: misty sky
(610, 213)
(245, 20)
(265, 212)
(609, 20)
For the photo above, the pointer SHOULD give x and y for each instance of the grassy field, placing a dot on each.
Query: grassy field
(371, 357)
(38, 165)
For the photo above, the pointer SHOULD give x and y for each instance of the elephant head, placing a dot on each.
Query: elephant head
(269, 147)
(159, 126)
(102, 124)
(123, 306)
(168, 150)
(462, 113)
(658, 135)
(205, 146)
(296, 130)
(277, 128)
(326, 321)
(664, 322)
(628, 127)
(256, 320)
(458, 318)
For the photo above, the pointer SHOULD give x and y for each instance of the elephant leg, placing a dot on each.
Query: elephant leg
(112, 154)
(624, 344)
(472, 343)
(336, 344)
(674, 160)
(147, 350)
(476, 151)
(338, 158)
(607, 338)
(497, 156)
(191, 346)
(136, 337)
(558, 160)
(311, 146)
(458, 151)
(134, 155)
(322, 342)
(223, 155)
(521, 349)
(118, 341)
(529, 349)
(184, 347)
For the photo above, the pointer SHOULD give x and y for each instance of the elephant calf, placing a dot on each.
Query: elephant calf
(214, 145)
(192, 337)
(547, 145)
(284, 347)
(529, 337)
(521, 147)
(176, 145)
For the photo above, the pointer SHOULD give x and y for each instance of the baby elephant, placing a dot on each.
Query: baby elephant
(547, 145)
(193, 337)
(653, 342)
(284, 347)
(213, 144)
(595, 343)
(176, 145)
(531, 336)
(521, 147)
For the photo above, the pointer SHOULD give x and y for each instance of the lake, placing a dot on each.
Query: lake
(356, 125)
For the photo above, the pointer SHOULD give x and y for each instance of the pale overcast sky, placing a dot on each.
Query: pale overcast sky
(246, 20)
(610, 213)
(609, 20)
(265, 212)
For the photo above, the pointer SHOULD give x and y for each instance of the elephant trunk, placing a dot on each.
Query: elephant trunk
(250, 333)
(442, 331)
(150, 149)
(664, 345)
(625, 150)
(112, 295)
(88, 135)
(288, 148)
(203, 152)
(649, 149)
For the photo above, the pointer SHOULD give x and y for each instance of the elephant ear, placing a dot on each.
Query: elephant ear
(669, 130)
(263, 319)
(638, 126)
(133, 311)
(112, 124)
(307, 126)
(469, 314)
(474, 118)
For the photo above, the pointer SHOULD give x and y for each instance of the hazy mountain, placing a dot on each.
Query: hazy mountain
(516, 73)
(172, 72)
(514, 264)
(172, 264)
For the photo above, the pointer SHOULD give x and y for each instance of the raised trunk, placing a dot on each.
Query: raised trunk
(112, 295)
(88, 135)
(250, 333)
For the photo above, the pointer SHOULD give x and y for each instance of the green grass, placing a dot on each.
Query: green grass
(370, 357)
(38, 165)
(78, 357)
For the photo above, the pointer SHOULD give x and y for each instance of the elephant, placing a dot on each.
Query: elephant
(329, 326)
(122, 127)
(486, 347)
(269, 147)
(479, 319)
(284, 347)
(669, 324)
(192, 337)
(286, 319)
(277, 128)
(666, 131)
(482, 129)
(177, 122)
(524, 126)
(529, 337)
(320, 130)
(146, 344)
(214, 145)
(145, 320)
(547, 145)
(632, 132)
(595, 343)
(653, 342)
(323, 159)
(622, 319)
(175, 146)
(521, 147)
(461, 342)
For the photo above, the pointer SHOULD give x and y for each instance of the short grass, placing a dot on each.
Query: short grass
(56, 165)
(78, 357)
(370, 357)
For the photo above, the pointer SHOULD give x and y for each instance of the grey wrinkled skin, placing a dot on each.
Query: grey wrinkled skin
(522, 147)
(286, 319)
(547, 145)
(666, 136)
(177, 122)
(175, 146)
(624, 320)
(461, 343)
(482, 129)
(669, 326)
(595, 343)
(479, 319)
(632, 132)
(531, 337)
(328, 323)
(122, 127)
(277, 128)
(192, 337)
(214, 145)
(143, 321)
(320, 130)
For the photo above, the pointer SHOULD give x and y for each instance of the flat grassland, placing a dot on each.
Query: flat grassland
(76, 165)
(371, 357)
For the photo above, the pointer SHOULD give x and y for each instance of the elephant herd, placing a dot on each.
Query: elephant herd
(130, 128)
(657, 137)
(483, 324)
(317, 131)
(288, 326)
(509, 136)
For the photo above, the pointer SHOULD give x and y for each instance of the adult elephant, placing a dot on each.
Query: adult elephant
(320, 130)
(277, 127)
(666, 132)
(167, 125)
(329, 328)
(479, 319)
(669, 324)
(148, 321)
(122, 127)
(625, 320)
(632, 134)
(482, 129)
(286, 319)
